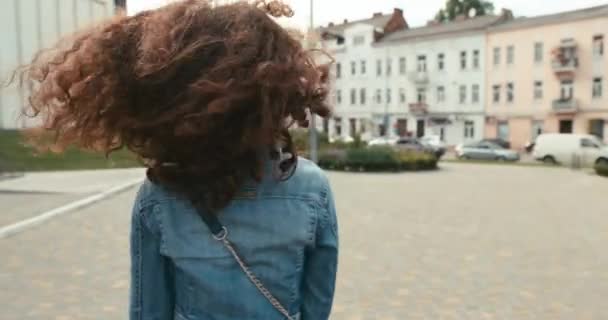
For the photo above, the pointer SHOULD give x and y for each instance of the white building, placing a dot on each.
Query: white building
(28, 26)
(419, 81)
(352, 46)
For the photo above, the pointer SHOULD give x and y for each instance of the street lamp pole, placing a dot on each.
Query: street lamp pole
(312, 125)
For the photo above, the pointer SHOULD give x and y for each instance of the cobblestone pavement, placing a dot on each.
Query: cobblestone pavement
(17, 206)
(466, 242)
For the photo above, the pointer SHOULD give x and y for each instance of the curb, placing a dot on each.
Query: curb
(20, 226)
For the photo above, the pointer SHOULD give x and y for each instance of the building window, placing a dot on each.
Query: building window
(378, 96)
(353, 68)
(510, 54)
(363, 67)
(510, 92)
(597, 88)
(402, 65)
(476, 59)
(389, 66)
(402, 95)
(440, 62)
(538, 90)
(421, 64)
(421, 95)
(598, 45)
(358, 40)
(440, 94)
(362, 96)
(339, 96)
(388, 95)
(566, 90)
(496, 58)
(353, 96)
(475, 93)
(379, 68)
(496, 93)
(462, 94)
(463, 60)
(338, 70)
(538, 52)
(469, 129)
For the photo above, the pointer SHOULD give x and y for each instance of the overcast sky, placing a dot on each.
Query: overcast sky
(417, 12)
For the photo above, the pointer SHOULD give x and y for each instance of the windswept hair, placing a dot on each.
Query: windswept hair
(197, 92)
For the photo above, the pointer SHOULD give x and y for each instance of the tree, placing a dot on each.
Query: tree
(468, 8)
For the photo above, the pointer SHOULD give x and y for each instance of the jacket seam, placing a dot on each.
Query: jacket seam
(138, 255)
(156, 201)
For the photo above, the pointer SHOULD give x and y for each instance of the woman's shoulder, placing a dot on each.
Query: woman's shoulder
(307, 169)
(307, 181)
(151, 193)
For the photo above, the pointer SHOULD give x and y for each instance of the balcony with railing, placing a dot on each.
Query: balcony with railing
(419, 108)
(565, 105)
(565, 59)
(420, 78)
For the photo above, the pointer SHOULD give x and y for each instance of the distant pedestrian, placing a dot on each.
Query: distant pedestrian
(230, 223)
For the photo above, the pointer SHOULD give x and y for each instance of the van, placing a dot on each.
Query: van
(570, 149)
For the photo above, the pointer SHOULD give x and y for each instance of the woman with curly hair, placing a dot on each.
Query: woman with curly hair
(230, 224)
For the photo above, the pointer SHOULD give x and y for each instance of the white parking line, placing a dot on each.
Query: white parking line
(39, 219)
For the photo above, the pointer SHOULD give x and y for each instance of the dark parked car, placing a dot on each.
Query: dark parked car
(503, 143)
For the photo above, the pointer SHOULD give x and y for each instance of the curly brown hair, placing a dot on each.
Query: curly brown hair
(195, 91)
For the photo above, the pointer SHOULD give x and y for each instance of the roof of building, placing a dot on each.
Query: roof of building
(378, 21)
(472, 24)
(561, 17)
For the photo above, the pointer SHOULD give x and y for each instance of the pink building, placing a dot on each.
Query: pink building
(548, 74)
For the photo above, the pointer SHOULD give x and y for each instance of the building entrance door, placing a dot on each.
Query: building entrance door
(565, 126)
(420, 128)
(402, 127)
(596, 128)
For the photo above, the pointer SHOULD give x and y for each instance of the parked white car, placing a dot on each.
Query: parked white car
(383, 141)
(433, 140)
(570, 149)
(345, 139)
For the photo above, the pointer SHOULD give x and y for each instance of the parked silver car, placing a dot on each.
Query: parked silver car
(486, 151)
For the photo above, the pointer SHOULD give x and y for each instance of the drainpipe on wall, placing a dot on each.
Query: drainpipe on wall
(387, 132)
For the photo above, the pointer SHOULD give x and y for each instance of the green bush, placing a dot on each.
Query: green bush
(602, 168)
(332, 159)
(372, 159)
(376, 159)
(358, 142)
(301, 140)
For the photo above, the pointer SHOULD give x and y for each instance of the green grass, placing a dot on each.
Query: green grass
(16, 155)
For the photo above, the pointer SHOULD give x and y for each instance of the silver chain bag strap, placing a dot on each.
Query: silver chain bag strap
(220, 233)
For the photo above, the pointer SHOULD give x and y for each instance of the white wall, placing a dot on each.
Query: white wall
(345, 54)
(451, 79)
(30, 25)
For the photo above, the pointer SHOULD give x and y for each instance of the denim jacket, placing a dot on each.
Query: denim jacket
(285, 231)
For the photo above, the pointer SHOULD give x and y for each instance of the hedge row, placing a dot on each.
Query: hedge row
(602, 169)
(376, 159)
